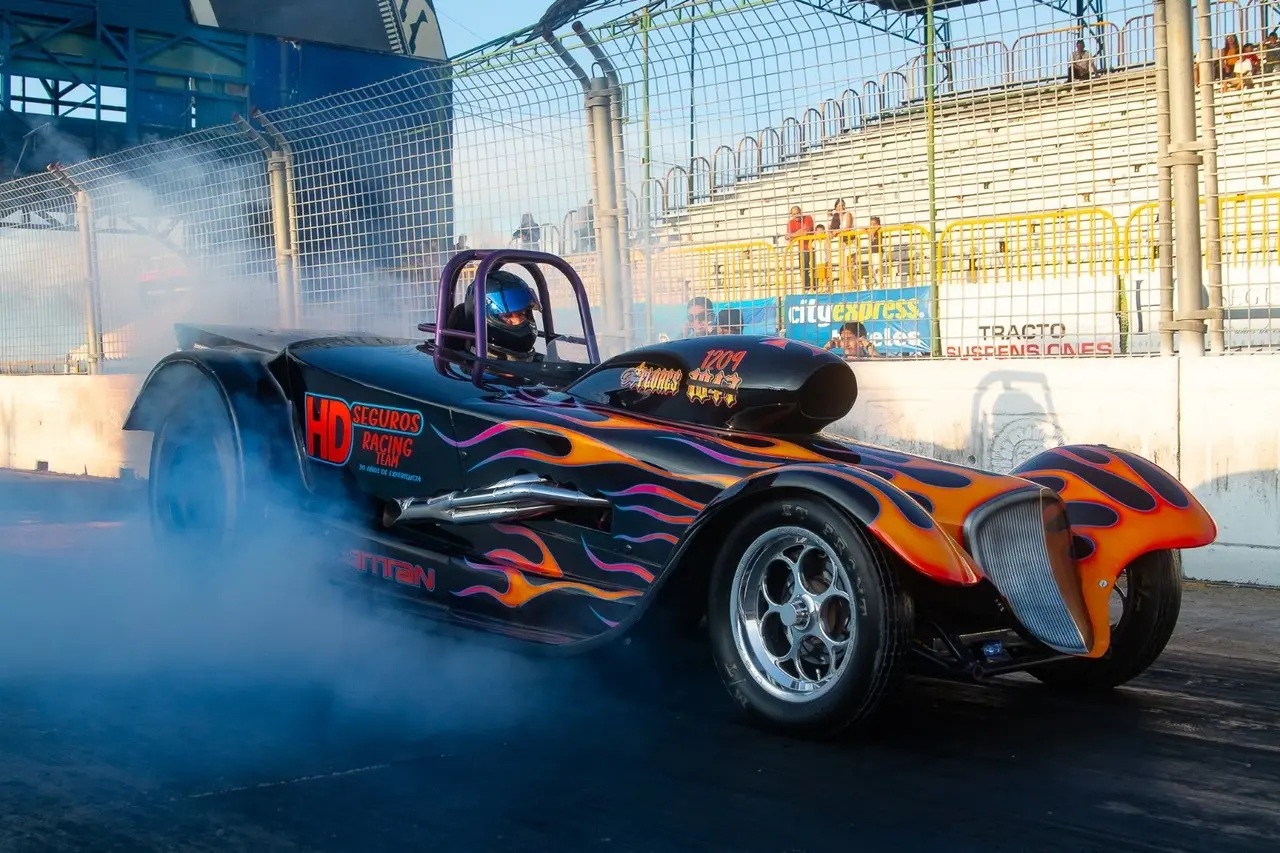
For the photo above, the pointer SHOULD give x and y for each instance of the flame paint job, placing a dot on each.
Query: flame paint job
(516, 568)
(894, 518)
(1120, 506)
(658, 491)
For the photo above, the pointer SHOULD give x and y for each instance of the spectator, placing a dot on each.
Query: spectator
(841, 219)
(528, 235)
(1228, 57)
(800, 230)
(1246, 65)
(1081, 63)
(461, 245)
(729, 321)
(1271, 53)
(700, 319)
(852, 342)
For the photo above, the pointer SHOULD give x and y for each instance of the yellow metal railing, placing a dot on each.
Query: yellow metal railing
(1047, 244)
(1072, 243)
(1249, 228)
(723, 271)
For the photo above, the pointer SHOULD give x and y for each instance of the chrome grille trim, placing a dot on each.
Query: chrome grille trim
(1008, 539)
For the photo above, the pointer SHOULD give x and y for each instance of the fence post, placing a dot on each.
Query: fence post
(280, 222)
(607, 219)
(287, 199)
(1164, 181)
(1213, 210)
(1184, 158)
(598, 96)
(89, 256)
(617, 139)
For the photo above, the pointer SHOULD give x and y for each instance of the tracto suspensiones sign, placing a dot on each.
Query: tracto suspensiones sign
(897, 320)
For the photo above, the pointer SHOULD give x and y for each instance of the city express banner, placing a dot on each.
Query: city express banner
(897, 320)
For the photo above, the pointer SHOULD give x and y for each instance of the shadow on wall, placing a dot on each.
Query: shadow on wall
(1020, 422)
(1013, 416)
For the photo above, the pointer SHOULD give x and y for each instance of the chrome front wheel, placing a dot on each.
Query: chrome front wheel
(808, 620)
(793, 614)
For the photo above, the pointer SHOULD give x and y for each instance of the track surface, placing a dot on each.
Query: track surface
(130, 723)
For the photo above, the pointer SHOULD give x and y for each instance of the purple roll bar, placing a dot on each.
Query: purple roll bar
(490, 259)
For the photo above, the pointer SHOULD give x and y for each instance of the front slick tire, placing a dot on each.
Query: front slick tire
(809, 622)
(1150, 599)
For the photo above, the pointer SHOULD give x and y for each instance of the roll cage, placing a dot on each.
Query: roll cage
(491, 259)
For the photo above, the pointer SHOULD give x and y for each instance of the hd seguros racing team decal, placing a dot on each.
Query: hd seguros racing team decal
(334, 425)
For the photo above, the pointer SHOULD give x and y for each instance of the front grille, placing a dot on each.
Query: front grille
(1022, 542)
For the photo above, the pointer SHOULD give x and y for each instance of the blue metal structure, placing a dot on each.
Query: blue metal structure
(88, 77)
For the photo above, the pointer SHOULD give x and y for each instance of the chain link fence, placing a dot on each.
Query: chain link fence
(800, 168)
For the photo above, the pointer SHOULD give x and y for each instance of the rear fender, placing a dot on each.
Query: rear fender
(897, 521)
(1119, 506)
(259, 407)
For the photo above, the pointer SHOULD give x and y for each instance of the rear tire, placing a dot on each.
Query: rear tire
(201, 498)
(1149, 614)
(796, 580)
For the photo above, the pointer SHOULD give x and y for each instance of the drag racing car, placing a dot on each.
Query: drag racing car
(481, 478)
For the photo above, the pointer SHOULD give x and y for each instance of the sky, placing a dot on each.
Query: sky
(468, 23)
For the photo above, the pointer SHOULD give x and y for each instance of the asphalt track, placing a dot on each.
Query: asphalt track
(259, 730)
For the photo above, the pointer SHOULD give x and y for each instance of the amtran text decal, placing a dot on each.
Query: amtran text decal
(897, 320)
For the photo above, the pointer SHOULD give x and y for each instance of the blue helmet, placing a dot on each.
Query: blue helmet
(509, 304)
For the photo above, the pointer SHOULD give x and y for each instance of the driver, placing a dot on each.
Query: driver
(509, 304)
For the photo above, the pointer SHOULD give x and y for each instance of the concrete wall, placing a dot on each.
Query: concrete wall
(1215, 423)
(71, 424)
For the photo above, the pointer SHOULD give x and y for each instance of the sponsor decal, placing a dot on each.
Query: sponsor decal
(329, 429)
(652, 380)
(379, 565)
(897, 320)
(1022, 331)
(390, 472)
(1012, 339)
(723, 359)
(385, 431)
(386, 419)
(717, 380)
(1065, 348)
(388, 449)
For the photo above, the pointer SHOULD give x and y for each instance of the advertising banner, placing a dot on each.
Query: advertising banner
(1040, 318)
(897, 320)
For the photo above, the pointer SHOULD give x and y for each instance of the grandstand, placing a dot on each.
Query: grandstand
(1044, 189)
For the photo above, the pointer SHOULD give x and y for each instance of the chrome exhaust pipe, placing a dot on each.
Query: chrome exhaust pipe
(523, 496)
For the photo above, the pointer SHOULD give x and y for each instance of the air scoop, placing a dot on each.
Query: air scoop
(523, 496)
